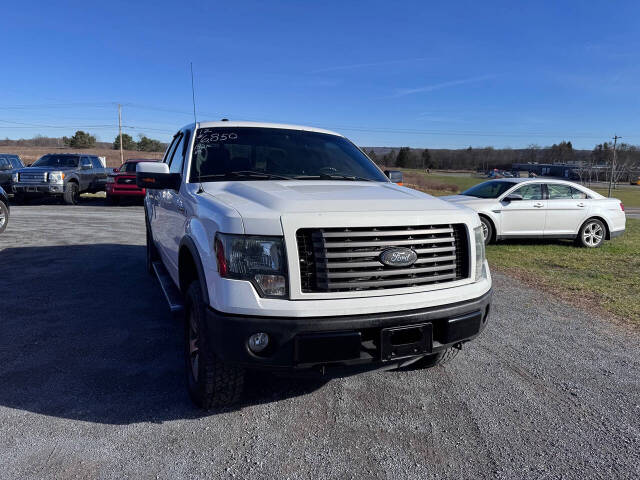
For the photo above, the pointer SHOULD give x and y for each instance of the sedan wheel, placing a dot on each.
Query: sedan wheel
(4, 216)
(487, 230)
(592, 234)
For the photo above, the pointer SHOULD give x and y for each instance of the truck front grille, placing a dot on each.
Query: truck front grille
(348, 259)
(32, 177)
(126, 180)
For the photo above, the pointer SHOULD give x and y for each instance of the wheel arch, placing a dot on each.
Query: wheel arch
(607, 235)
(190, 267)
(494, 234)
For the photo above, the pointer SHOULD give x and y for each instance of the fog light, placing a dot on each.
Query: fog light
(258, 342)
(272, 285)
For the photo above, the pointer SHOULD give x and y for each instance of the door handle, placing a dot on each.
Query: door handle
(581, 204)
(538, 205)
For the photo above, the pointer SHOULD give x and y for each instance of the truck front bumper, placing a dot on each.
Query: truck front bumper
(355, 342)
(39, 188)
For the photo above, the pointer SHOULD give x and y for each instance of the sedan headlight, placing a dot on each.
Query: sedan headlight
(480, 253)
(56, 177)
(260, 260)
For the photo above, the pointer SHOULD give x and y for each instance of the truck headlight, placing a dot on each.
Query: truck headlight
(480, 254)
(56, 177)
(14, 177)
(260, 260)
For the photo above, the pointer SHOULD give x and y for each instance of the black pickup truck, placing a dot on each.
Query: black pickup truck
(63, 175)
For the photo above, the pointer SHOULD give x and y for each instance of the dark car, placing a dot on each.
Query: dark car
(122, 182)
(9, 163)
(62, 175)
(4, 210)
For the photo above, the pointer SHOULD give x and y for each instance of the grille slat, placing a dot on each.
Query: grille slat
(387, 243)
(378, 264)
(32, 177)
(375, 253)
(391, 283)
(388, 273)
(386, 233)
(348, 259)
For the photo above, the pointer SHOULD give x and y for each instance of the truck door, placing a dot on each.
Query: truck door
(161, 201)
(175, 209)
(85, 173)
(99, 175)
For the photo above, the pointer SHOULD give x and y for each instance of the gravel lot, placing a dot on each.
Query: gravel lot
(91, 383)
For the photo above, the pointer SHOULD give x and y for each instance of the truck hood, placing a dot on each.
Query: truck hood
(262, 203)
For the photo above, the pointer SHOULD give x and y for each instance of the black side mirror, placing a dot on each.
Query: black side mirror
(395, 176)
(5, 167)
(514, 197)
(156, 175)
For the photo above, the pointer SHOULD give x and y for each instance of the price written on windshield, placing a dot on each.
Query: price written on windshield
(217, 137)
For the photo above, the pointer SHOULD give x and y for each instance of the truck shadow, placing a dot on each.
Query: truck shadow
(86, 334)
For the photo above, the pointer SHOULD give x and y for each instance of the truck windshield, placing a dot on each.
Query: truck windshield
(57, 161)
(249, 153)
(491, 189)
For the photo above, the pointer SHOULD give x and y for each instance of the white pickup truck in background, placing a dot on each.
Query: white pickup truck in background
(286, 248)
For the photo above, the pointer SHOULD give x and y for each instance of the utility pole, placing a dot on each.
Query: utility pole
(120, 132)
(613, 162)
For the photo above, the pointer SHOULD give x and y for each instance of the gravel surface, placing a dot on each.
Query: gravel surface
(91, 383)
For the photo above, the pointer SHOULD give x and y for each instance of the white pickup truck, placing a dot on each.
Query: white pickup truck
(286, 248)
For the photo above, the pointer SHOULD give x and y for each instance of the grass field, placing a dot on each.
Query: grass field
(605, 278)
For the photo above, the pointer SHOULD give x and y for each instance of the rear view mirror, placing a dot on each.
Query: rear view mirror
(513, 197)
(156, 175)
(395, 176)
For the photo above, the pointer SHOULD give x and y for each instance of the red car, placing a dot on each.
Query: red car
(122, 182)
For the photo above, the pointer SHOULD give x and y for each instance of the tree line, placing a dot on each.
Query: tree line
(82, 139)
(487, 158)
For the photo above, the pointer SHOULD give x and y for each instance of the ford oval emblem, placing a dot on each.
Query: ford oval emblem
(398, 257)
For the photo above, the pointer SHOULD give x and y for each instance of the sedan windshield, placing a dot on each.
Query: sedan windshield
(57, 161)
(492, 189)
(249, 153)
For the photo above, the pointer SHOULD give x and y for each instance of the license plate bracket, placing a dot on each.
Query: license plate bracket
(405, 341)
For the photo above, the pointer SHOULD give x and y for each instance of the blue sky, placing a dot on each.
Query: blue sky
(438, 75)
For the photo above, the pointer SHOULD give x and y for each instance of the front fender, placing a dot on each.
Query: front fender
(190, 244)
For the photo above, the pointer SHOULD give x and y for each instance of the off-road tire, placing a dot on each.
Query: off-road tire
(4, 213)
(218, 384)
(71, 193)
(152, 251)
(434, 360)
(592, 234)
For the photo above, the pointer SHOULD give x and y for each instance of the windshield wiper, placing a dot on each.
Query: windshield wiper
(332, 176)
(247, 174)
